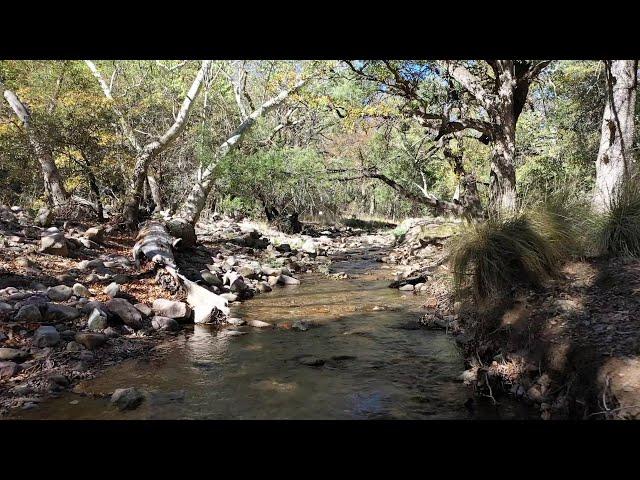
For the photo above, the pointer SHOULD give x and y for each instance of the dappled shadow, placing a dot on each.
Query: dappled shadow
(568, 335)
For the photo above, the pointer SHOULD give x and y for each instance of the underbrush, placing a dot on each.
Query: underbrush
(618, 228)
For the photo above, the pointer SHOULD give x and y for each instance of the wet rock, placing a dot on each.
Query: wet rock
(263, 287)
(406, 288)
(311, 361)
(171, 308)
(57, 313)
(232, 333)
(287, 280)
(59, 380)
(12, 354)
(46, 336)
(272, 281)
(80, 290)
(301, 325)
(236, 321)
(164, 323)
(8, 370)
(112, 290)
(91, 341)
(97, 320)
(143, 309)
(60, 293)
(127, 398)
(28, 313)
(126, 312)
(258, 324)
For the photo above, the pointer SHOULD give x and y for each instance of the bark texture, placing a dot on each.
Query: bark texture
(616, 162)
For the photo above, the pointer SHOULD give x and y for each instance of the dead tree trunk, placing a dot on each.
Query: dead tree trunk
(156, 244)
(615, 162)
(54, 186)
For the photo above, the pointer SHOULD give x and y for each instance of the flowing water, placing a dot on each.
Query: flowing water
(377, 364)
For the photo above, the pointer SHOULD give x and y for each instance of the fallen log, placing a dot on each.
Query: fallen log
(156, 244)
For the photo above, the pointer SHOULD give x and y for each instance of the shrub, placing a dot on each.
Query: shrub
(490, 258)
(618, 228)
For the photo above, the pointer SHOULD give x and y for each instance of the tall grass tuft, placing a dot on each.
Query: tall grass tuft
(490, 258)
(618, 228)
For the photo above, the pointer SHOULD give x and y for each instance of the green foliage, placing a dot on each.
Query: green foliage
(618, 229)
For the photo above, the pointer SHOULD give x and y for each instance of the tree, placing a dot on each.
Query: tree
(54, 186)
(484, 97)
(145, 154)
(195, 202)
(615, 162)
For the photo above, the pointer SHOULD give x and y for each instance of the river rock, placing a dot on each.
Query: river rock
(80, 290)
(60, 293)
(112, 290)
(144, 309)
(28, 313)
(126, 312)
(90, 264)
(90, 340)
(164, 323)
(171, 308)
(287, 280)
(60, 313)
(311, 361)
(73, 346)
(236, 321)
(97, 320)
(12, 354)
(95, 234)
(8, 370)
(44, 217)
(273, 280)
(211, 278)
(5, 308)
(263, 287)
(127, 398)
(301, 325)
(406, 288)
(46, 336)
(309, 247)
(54, 243)
(258, 324)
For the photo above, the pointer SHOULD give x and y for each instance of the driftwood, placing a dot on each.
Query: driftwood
(156, 244)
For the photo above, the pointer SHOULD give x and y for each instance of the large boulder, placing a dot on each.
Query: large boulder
(126, 312)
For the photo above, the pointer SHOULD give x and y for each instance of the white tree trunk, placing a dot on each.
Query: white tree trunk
(194, 204)
(147, 153)
(615, 161)
(54, 186)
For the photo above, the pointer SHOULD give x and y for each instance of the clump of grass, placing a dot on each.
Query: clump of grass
(618, 228)
(490, 258)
